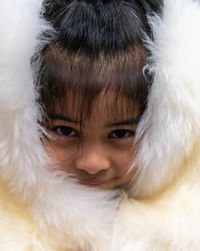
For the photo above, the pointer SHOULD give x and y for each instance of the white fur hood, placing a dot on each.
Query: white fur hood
(162, 210)
(166, 213)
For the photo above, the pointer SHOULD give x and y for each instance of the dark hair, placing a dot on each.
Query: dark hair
(98, 47)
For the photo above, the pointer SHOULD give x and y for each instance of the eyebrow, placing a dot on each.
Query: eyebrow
(62, 117)
(131, 121)
(124, 122)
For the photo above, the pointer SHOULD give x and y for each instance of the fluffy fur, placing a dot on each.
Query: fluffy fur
(54, 206)
(40, 210)
(167, 215)
(170, 126)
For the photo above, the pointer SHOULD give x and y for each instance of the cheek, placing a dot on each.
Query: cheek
(124, 174)
(62, 158)
(122, 163)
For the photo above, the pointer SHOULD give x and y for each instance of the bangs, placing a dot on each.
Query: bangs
(75, 80)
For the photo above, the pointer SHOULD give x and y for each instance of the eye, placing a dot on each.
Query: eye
(121, 133)
(65, 131)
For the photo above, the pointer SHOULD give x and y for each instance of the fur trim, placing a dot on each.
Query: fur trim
(170, 126)
(58, 205)
(66, 215)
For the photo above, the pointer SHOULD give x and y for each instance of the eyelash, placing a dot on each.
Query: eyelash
(122, 134)
(58, 130)
(66, 131)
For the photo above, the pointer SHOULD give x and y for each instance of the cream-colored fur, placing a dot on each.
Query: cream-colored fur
(170, 126)
(166, 214)
(57, 207)
(41, 210)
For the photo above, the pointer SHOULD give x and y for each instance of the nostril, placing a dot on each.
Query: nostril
(92, 165)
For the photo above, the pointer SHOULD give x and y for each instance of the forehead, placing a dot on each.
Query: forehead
(76, 82)
(106, 107)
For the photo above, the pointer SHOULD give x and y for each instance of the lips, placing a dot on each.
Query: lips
(92, 183)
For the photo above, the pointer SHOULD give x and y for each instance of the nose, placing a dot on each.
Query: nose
(93, 160)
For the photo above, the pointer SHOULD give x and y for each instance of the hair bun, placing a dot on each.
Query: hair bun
(52, 7)
(97, 25)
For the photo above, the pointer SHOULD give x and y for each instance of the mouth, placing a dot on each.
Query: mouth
(91, 183)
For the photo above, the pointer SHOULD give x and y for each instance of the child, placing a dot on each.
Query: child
(101, 152)
(93, 88)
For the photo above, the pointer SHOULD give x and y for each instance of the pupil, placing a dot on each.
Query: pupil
(66, 130)
(120, 133)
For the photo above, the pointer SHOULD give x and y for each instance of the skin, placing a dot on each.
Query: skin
(101, 153)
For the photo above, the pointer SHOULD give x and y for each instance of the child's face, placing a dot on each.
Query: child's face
(98, 152)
